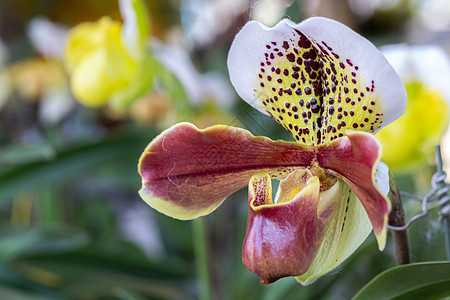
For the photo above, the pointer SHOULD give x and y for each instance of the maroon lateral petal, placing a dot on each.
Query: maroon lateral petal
(187, 172)
(354, 158)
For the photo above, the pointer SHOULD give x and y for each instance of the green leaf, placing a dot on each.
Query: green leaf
(15, 242)
(173, 87)
(430, 280)
(19, 154)
(12, 293)
(104, 272)
(72, 161)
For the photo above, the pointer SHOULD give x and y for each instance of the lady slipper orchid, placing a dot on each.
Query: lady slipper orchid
(108, 61)
(330, 88)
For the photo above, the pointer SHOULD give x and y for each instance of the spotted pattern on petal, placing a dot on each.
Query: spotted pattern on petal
(313, 92)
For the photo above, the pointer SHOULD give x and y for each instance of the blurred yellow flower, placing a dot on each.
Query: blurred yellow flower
(155, 108)
(108, 61)
(209, 114)
(410, 140)
(34, 77)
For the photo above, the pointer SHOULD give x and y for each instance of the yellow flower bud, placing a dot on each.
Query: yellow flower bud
(98, 60)
(108, 61)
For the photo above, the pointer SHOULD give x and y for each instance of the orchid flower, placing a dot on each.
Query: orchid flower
(108, 61)
(409, 141)
(331, 89)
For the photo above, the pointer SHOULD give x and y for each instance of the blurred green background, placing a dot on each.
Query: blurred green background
(72, 225)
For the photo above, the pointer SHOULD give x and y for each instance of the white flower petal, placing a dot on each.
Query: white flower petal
(136, 26)
(372, 64)
(317, 78)
(269, 12)
(48, 38)
(198, 87)
(129, 29)
(55, 105)
(382, 177)
(177, 60)
(246, 54)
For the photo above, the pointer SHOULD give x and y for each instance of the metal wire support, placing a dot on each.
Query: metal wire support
(439, 192)
(428, 198)
(442, 195)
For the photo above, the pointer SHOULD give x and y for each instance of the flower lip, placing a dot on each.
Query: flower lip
(289, 189)
(282, 240)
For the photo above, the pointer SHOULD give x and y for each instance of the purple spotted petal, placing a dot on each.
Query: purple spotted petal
(317, 78)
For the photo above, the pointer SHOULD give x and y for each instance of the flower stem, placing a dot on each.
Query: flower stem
(200, 248)
(441, 185)
(397, 218)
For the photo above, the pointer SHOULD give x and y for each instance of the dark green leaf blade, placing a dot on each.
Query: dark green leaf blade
(67, 163)
(403, 282)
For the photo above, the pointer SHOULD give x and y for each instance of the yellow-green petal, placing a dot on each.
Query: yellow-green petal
(349, 228)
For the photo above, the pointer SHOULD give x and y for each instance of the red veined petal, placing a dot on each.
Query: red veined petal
(354, 159)
(187, 172)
